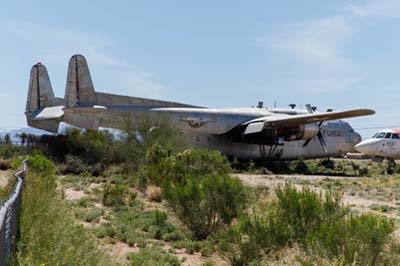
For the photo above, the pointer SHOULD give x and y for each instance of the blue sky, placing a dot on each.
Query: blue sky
(332, 54)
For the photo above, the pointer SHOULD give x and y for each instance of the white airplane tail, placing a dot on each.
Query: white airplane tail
(43, 110)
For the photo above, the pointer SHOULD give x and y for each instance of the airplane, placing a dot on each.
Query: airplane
(384, 144)
(245, 133)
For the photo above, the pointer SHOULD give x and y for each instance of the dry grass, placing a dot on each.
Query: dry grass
(154, 193)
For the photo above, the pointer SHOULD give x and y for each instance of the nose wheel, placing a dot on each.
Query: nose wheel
(391, 167)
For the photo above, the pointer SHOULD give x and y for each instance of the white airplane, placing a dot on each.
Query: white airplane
(385, 144)
(245, 133)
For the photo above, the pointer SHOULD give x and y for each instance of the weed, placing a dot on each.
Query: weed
(113, 195)
(153, 257)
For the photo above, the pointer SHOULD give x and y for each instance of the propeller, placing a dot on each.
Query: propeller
(319, 134)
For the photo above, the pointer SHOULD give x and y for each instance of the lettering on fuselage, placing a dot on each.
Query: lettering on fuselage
(333, 132)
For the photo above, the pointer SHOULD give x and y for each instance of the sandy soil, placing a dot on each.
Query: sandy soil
(71, 194)
(4, 177)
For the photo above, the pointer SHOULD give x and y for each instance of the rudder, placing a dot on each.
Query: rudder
(40, 92)
(79, 89)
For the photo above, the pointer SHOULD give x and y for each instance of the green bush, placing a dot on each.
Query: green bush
(236, 249)
(153, 257)
(303, 211)
(113, 195)
(358, 240)
(204, 205)
(16, 163)
(187, 164)
(266, 231)
(141, 132)
(41, 165)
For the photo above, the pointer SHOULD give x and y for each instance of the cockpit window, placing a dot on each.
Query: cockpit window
(380, 135)
(395, 136)
(388, 135)
(374, 136)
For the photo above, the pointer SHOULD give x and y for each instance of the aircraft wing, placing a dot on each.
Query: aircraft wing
(258, 124)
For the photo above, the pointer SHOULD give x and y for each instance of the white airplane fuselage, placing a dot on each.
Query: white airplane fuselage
(384, 144)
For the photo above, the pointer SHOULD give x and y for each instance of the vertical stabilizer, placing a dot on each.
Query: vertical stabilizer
(43, 110)
(79, 90)
(40, 92)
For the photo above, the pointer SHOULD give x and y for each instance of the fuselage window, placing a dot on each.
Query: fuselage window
(388, 135)
(395, 136)
(381, 135)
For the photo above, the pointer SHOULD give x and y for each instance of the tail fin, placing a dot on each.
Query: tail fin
(40, 93)
(79, 90)
(43, 110)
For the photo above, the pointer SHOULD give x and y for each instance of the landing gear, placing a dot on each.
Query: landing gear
(328, 163)
(391, 166)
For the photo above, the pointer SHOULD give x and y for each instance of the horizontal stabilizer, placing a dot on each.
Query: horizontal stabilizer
(48, 124)
(55, 112)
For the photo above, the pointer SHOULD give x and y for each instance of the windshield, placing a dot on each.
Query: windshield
(380, 135)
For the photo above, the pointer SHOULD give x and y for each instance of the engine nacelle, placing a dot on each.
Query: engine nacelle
(302, 132)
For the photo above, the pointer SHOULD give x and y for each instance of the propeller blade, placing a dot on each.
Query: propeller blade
(309, 108)
(306, 142)
(322, 141)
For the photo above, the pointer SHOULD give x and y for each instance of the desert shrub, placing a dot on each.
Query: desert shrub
(303, 211)
(204, 205)
(75, 165)
(132, 200)
(153, 257)
(42, 165)
(104, 231)
(113, 195)
(358, 240)
(189, 163)
(9, 151)
(48, 234)
(141, 132)
(91, 146)
(173, 236)
(159, 218)
(93, 215)
(5, 164)
(16, 163)
(236, 248)
(154, 193)
(6, 190)
(266, 230)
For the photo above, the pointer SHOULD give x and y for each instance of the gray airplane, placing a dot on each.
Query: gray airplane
(246, 133)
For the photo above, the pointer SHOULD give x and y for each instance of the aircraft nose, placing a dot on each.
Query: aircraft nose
(356, 138)
(365, 147)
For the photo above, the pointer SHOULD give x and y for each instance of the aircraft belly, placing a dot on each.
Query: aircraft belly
(289, 151)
